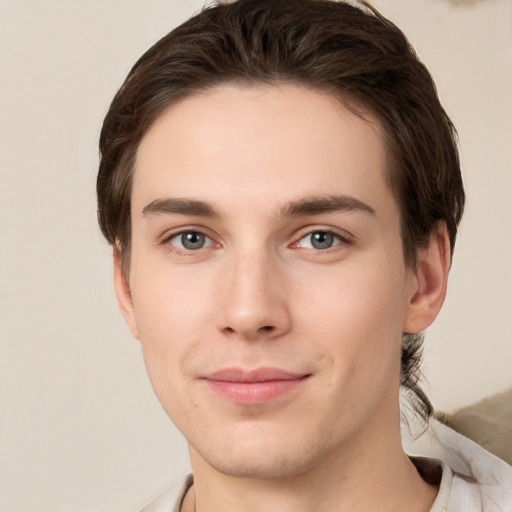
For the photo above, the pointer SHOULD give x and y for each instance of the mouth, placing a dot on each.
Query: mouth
(253, 386)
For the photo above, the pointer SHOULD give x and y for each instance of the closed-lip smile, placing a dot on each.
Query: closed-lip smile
(253, 386)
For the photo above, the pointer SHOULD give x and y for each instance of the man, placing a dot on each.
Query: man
(282, 191)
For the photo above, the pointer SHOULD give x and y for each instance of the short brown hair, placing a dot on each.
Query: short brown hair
(352, 52)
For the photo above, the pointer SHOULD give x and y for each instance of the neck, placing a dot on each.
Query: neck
(371, 473)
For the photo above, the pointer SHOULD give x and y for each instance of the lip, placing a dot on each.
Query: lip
(255, 386)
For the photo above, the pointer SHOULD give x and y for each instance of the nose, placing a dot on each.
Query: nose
(254, 304)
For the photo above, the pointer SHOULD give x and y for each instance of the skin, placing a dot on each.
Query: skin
(237, 164)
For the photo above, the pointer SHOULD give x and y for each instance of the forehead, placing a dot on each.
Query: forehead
(241, 143)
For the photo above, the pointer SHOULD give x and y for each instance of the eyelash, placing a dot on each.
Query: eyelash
(339, 239)
(336, 238)
(183, 250)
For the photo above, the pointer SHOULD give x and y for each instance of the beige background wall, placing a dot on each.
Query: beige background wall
(79, 428)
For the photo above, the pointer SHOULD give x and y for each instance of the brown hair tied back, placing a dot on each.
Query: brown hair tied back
(351, 52)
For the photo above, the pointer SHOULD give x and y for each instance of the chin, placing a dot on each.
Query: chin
(266, 459)
(268, 466)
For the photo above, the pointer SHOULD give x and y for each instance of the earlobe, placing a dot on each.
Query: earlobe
(430, 280)
(123, 292)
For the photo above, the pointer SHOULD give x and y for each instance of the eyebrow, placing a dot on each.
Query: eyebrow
(180, 206)
(306, 206)
(325, 204)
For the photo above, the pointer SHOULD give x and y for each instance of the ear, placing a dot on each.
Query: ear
(428, 285)
(123, 293)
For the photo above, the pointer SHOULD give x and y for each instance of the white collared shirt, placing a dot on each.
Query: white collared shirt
(473, 480)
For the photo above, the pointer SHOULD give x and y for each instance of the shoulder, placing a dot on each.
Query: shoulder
(479, 480)
(170, 500)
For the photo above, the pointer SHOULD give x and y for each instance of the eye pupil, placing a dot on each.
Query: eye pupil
(322, 240)
(192, 240)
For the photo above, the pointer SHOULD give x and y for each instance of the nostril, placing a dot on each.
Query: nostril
(268, 328)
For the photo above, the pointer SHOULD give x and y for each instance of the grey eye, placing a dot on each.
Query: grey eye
(319, 240)
(190, 240)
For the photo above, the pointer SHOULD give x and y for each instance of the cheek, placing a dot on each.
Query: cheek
(168, 299)
(357, 299)
(357, 317)
(171, 310)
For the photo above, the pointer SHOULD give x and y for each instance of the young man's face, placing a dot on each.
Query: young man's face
(267, 277)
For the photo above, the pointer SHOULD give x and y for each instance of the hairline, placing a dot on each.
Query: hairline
(352, 102)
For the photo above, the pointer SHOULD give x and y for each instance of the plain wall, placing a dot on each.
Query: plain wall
(80, 428)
